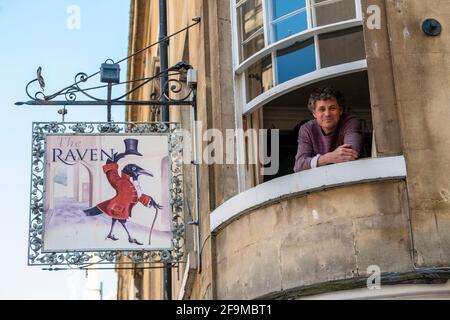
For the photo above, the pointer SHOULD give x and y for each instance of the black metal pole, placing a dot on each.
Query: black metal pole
(164, 65)
(109, 102)
(163, 57)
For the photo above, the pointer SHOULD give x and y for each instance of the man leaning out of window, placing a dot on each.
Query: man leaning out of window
(332, 137)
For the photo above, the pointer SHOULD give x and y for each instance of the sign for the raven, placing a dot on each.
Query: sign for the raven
(105, 194)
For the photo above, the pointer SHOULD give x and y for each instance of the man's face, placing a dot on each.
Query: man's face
(327, 114)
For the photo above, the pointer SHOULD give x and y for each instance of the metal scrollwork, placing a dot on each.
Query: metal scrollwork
(51, 259)
(109, 128)
(77, 258)
(82, 128)
(148, 128)
(165, 255)
(81, 77)
(54, 127)
(36, 255)
(71, 94)
(175, 87)
(109, 256)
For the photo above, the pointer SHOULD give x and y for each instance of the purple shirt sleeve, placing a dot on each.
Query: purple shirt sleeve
(353, 134)
(305, 151)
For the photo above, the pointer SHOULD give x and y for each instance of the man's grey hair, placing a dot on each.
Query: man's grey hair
(325, 93)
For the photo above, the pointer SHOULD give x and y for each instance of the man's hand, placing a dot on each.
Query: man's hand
(342, 153)
(116, 157)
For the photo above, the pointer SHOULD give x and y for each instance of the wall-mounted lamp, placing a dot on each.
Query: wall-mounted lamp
(110, 72)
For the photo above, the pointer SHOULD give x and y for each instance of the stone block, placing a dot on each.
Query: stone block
(383, 241)
(317, 254)
(250, 273)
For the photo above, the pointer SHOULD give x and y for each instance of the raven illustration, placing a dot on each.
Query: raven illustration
(128, 191)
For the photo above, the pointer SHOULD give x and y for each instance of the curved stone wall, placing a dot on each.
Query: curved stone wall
(313, 239)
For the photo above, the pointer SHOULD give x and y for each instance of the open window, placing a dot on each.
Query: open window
(284, 49)
(288, 112)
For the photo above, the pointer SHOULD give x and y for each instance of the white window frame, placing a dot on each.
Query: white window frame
(304, 80)
(238, 32)
(299, 37)
(268, 32)
(239, 96)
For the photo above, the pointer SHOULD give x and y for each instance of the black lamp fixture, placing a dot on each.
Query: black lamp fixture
(431, 27)
(110, 72)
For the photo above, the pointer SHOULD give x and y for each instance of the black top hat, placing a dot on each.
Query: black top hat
(131, 146)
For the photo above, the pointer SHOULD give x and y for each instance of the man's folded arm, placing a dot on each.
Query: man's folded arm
(353, 134)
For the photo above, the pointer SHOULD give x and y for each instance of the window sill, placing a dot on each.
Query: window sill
(342, 174)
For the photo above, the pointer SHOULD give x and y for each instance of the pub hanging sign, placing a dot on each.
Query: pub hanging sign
(104, 191)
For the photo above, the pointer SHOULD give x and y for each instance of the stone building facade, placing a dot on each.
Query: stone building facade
(320, 233)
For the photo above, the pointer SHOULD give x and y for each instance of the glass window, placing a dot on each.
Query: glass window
(341, 47)
(296, 60)
(259, 78)
(288, 17)
(253, 45)
(292, 25)
(280, 19)
(283, 7)
(332, 11)
(251, 31)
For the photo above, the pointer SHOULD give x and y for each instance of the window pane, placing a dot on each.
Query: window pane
(332, 11)
(341, 47)
(283, 7)
(296, 60)
(290, 26)
(250, 19)
(259, 78)
(252, 46)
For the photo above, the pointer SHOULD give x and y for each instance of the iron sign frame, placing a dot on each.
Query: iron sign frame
(80, 258)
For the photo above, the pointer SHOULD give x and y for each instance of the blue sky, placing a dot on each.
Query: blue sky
(32, 34)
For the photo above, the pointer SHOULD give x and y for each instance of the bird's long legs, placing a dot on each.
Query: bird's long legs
(110, 234)
(130, 239)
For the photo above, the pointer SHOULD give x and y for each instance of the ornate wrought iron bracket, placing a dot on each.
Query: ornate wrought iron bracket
(175, 84)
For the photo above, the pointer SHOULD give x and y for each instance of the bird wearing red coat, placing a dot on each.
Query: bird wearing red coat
(128, 194)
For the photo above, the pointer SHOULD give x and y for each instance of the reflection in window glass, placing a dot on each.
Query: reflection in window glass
(250, 19)
(341, 47)
(259, 78)
(283, 7)
(290, 26)
(332, 11)
(253, 45)
(296, 60)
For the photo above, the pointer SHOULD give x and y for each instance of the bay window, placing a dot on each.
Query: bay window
(286, 48)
